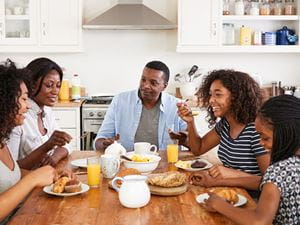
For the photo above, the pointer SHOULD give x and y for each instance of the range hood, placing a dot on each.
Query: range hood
(130, 15)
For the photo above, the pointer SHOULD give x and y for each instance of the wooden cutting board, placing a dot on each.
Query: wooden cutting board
(162, 191)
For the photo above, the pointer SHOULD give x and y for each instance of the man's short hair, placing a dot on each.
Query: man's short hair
(158, 65)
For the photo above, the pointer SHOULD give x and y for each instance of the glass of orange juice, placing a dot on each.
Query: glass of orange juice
(172, 153)
(93, 171)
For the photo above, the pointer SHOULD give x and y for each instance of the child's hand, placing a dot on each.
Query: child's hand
(202, 179)
(184, 112)
(212, 202)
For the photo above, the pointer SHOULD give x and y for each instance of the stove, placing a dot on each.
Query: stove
(93, 111)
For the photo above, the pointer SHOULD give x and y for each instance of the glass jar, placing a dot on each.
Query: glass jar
(289, 7)
(265, 8)
(239, 7)
(226, 7)
(278, 8)
(254, 9)
(228, 34)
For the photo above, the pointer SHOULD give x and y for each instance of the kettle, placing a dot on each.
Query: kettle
(286, 36)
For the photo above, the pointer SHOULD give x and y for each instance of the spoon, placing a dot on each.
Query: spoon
(125, 157)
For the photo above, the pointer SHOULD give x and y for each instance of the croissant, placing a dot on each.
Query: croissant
(228, 194)
(59, 185)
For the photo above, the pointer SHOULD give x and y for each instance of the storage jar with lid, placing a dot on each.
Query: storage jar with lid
(228, 34)
(226, 7)
(278, 8)
(265, 8)
(239, 7)
(289, 7)
(254, 9)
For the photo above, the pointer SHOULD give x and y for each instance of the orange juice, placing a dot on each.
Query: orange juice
(172, 153)
(64, 90)
(93, 172)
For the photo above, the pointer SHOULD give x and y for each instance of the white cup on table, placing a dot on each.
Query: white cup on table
(144, 148)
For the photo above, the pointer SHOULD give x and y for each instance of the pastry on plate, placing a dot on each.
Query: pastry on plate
(228, 194)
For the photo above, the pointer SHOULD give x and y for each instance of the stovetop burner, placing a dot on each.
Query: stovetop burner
(100, 100)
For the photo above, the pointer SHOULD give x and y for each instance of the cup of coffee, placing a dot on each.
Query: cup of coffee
(144, 148)
(110, 165)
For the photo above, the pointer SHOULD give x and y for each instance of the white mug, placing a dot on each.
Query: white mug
(144, 148)
(18, 10)
(110, 165)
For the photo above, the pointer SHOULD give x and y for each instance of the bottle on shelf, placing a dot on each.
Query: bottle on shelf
(254, 9)
(239, 7)
(245, 35)
(76, 87)
(265, 8)
(277, 8)
(226, 7)
(289, 7)
(257, 37)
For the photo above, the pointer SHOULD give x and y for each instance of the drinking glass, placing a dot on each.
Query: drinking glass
(93, 171)
(172, 153)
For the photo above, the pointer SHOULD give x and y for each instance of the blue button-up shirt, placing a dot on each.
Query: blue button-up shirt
(124, 113)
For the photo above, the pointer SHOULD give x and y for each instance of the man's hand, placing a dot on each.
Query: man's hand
(180, 136)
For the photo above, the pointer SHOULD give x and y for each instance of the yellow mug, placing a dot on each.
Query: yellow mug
(172, 153)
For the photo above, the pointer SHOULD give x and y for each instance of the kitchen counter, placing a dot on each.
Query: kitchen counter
(68, 103)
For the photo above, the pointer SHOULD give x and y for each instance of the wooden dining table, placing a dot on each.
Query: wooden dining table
(101, 205)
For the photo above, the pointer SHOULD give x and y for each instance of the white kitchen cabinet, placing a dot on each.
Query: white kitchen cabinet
(200, 28)
(40, 25)
(68, 120)
(198, 23)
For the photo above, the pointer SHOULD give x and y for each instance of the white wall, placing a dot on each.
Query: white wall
(113, 60)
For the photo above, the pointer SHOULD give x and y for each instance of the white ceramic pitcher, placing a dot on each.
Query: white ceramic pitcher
(134, 192)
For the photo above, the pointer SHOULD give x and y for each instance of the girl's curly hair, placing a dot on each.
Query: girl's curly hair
(10, 80)
(246, 96)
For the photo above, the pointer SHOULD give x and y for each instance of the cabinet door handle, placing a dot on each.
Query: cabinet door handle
(214, 28)
(44, 28)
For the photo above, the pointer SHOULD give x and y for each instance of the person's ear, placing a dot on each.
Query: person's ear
(165, 84)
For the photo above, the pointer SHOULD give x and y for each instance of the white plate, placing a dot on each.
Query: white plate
(208, 165)
(242, 199)
(79, 163)
(48, 190)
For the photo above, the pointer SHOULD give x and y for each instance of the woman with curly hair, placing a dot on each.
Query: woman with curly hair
(278, 123)
(232, 99)
(39, 141)
(14, 105)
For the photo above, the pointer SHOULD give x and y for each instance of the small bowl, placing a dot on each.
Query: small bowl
(143, 167)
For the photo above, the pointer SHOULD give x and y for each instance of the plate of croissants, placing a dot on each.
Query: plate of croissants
(66, 186)
(226, 193)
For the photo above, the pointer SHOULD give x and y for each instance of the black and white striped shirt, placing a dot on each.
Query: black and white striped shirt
(239, 153)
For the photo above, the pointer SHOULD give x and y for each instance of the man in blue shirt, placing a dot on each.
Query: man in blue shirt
(143, 115)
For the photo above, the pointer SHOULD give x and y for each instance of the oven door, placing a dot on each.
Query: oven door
(90, 129)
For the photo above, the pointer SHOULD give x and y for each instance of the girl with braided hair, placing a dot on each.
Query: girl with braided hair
(278, 124)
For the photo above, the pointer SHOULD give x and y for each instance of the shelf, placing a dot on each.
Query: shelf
(239, 49)
(17, 17)
(270, 18)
